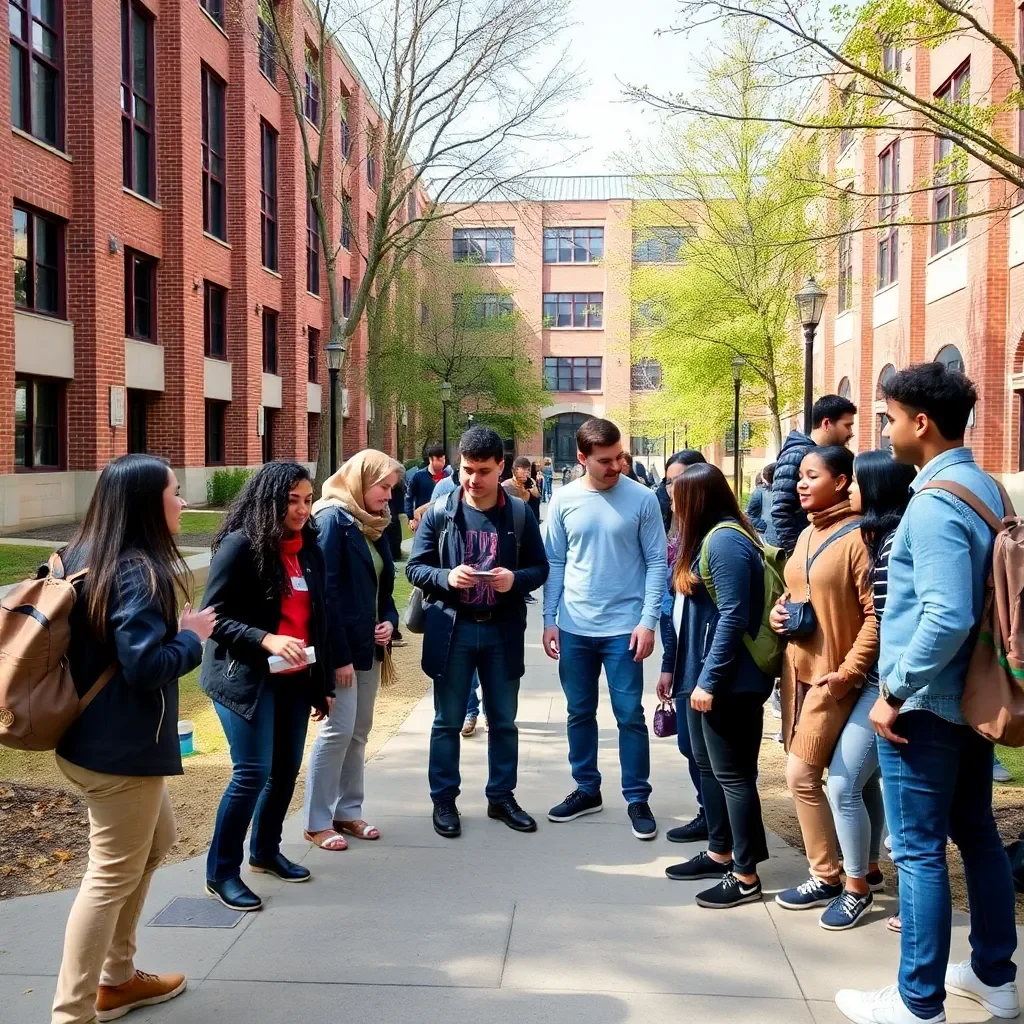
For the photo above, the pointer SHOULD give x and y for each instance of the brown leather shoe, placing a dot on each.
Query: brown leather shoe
(114, 1001)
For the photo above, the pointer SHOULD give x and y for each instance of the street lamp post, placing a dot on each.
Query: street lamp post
(446, 394)
(737, 375)
(810, 303)
(335, 351)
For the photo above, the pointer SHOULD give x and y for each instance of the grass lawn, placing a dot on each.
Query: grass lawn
(1013, 758)
(20, 561)
(200, 522)
(406, 532)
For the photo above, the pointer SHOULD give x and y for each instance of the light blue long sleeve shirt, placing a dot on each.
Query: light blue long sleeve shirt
(941, 555)
(606, 550)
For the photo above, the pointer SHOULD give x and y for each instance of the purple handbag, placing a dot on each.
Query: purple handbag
(665, 719)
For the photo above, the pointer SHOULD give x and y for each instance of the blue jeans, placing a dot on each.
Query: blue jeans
(939, 784)
(686, 748)
(473, 704)
(854, 789)
(475, 648)
(266, 754)
(579, 671)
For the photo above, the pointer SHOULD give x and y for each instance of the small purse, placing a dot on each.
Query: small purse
(665, 719)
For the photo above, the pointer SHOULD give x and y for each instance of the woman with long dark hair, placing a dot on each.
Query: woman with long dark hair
(125, 742)
(267, 584)
(880, 493)
(708, 667)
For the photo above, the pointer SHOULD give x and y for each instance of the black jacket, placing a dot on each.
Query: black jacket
(665, 504)
(131, 728)
(355, 602)
(234, 664)
(788, 520)
(428, 569)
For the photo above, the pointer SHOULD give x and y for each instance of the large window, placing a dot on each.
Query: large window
(478, 309)
(346, 220)
(267, 45)
(137, 95)
(484, 245)
(346, 296)
(139, 296)
(269, 422)
(888, 209)
(950, 171)
(38, 419)
(215, 9)
(313, 238)
(138, 408)
(38, 262)
(346, 131)
(645, 375)
(371, 165)
(36, 64)
(659, 244)
(311, 93)
(845, 110)
(573, 373)
(313, 373)
(215, 432)
(268, 195)
(951, 358)
(892, 59)
(269, 341)
(574, 309)
(214, 204)
(214, 308)
(845, 271)
(573, 245)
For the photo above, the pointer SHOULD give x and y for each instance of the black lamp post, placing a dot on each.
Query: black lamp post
(446, 394)
(737, 376)
(810, 302)
(335, 350)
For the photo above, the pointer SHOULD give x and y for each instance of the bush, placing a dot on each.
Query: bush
(222, 488)
(411, 465)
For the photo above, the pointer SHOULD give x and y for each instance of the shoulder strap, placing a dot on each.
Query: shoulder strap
(811, 559)
(518, 518)
(705, 553)
(93, 692)
(972, 501)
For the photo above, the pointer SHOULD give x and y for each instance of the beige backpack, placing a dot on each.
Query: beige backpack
(38, 699)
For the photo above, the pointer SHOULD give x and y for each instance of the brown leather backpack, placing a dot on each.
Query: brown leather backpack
(38, 699)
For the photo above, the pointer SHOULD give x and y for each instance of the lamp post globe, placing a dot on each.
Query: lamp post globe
(810, 304)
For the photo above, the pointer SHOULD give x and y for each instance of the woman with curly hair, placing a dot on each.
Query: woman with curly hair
(267, 585)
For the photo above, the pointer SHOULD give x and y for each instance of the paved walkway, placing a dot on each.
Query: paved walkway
(573, 925)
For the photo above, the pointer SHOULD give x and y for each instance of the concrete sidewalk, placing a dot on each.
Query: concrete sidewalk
(576, 924)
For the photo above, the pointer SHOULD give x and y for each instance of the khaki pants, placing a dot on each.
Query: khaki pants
(815, 815)
(131, 828)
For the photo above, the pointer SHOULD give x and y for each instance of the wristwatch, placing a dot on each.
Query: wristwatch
(893, 702)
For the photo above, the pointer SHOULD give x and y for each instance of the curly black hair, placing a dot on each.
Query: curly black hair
(259, 512)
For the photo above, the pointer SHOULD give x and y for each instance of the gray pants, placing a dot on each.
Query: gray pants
(334, 782)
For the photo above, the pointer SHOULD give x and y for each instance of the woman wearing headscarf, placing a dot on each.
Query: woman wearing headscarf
(352, 518)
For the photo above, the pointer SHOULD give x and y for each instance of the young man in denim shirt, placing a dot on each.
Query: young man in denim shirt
(936, 771)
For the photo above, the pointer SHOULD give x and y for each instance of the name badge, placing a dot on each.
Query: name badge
(299, 584)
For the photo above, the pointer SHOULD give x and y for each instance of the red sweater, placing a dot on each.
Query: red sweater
(296, 605)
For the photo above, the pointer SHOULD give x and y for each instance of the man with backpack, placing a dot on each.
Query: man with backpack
(936, 770)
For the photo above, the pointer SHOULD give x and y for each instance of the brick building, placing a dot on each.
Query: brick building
(168, 293)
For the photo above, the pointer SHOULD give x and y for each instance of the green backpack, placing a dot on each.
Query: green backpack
(766, 648)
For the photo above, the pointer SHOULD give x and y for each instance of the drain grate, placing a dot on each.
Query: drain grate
(196, 912)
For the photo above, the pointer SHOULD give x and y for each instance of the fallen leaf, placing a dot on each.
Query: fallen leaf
(62, 855)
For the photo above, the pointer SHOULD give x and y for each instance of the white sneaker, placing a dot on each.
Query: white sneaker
(1001, 1001)
(883, 1006)
(1000, 773)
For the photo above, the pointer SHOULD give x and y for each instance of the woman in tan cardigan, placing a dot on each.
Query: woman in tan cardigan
(823, 670)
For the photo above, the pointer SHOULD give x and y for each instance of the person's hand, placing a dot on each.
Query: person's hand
(345, 676)
(317, 715)
(293, 651)
(778, 617)
(200, 623)
(665, 687)
(413, 523)
(883, 718)
(642, 641)
(462, 578)
(503, 579)
(831, 680)
(550, 642)
(382, 633)
(700, 700)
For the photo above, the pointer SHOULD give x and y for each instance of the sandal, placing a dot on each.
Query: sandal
(327, 839)
(359, 829)
(894, 924)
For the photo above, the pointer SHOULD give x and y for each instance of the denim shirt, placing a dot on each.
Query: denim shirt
(940, 559)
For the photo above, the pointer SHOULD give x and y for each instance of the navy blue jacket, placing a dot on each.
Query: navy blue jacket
(418, 489)
(428, 569)
(788, 519)
(131, 728)
(755, 509)
(709, 651)
(355, 602)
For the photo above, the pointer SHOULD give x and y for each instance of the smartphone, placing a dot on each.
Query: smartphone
(482, 574)
(278, 664)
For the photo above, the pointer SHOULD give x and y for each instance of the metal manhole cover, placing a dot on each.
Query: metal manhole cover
(196, 912)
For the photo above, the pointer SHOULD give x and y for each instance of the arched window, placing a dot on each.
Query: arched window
(887, 374)
(844, 388)
(950, 358)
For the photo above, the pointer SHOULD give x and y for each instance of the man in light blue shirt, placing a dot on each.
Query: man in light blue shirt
(605, 544)
(936, 771)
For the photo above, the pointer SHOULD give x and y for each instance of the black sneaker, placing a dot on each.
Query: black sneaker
(280, 866)
(701, 866)
(575, 805)
(695, 831)
(509, 811)
(730, 892)
(876, 881)
(446, 820)
(642, 819)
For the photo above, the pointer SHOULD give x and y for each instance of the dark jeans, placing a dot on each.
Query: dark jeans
(579, 671)
(475, 647)
(686, 748)
(726, 741)
(266, 754)
(939, 784)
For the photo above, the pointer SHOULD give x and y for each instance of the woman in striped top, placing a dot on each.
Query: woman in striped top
(880, 492)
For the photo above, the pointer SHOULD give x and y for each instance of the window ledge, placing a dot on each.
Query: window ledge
(138, 195)
(948, 250)
(39, 469)
(481, 263)
(273, 84)
(214, 238)
(887, 288)
(42, 145)
(214, 22)
(846, 312)
(573, 328)
(142, 341)
(312, 124)
(39, 315)
(313, 295)
(272, 273)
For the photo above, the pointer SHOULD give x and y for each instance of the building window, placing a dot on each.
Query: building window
(269, 416)
(845, 105)
(313, 437)
(269, 341)
(215, 9)
(645, 375)
(313, 335)
(267, 47)
(888, 209)
(371, 165)
(36, 59)
(951, 358)
(660, 244)
(573, 245)
(574, 309)
(887, 374)
(215, 432)
(311, 95)
(346, 220)
(214, 303)
(346, 131)
(346, 296)
(951, 170)
(38, 419)
(845, 271)
(214, 205)
(480, 309)
(139, 296)
(572, 373)
(313, 238)
(844, 388)
(483, 245)
(410, 206)
(137, 94)
(138, 408)
(268, 195)
(892, 58)
(38, 262)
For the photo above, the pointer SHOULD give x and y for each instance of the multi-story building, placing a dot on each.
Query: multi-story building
(168, 293)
